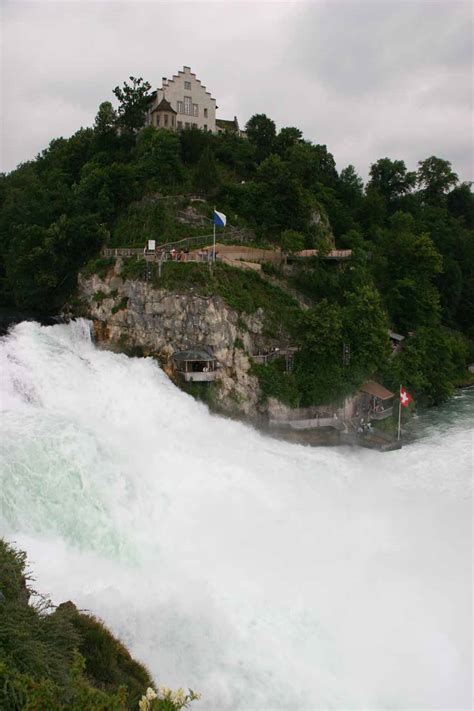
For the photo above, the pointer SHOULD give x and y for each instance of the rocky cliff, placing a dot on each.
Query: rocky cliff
(136, 317)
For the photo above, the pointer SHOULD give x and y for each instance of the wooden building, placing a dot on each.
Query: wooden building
(377, 400)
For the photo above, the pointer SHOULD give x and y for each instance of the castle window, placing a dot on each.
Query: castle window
(157, 120)
(188, 106)
(172, 120)
(180, 107)
(186, 125)
(187, 85)
(205, 126)
(195, 110)
(180, 125)
(205, 113)
(166, 119)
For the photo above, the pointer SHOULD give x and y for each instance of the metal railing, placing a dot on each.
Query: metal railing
(381, 414)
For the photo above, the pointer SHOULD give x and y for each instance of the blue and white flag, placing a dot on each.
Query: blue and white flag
(219, 219)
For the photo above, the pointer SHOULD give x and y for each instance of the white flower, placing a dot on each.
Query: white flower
(179, 697)
(151, 694)
(165, 691)
(144, 704)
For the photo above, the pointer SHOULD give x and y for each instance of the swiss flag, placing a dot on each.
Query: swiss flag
(405, 398)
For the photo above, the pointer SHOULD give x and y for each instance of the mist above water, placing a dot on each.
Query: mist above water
(264, 574)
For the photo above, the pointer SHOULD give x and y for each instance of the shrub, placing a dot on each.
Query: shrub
(99, 296)
(275, 382)
(121, 305)
(98, 266)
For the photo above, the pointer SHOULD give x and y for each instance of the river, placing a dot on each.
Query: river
(264, 574)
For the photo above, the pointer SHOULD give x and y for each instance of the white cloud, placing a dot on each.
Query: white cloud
(368, 79)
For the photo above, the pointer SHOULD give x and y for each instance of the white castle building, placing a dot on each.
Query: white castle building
(183, 102)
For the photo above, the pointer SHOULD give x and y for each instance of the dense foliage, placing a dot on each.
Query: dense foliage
(58, 658)
(65, 659)
(411, 233)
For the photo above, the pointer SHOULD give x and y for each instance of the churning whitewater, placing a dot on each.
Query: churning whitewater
(264, 574)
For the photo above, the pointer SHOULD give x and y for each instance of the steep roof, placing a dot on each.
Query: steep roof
(196, 354)
(227, 124)
(373, 388)
(181, 74)
(396, 336)
(164, 105)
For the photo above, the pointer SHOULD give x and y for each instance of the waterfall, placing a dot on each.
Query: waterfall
(264, 574)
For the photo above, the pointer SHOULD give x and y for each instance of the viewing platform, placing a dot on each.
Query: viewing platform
(195, 366)
(307, 418)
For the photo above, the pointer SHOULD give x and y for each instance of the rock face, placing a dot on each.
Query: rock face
(134, 316)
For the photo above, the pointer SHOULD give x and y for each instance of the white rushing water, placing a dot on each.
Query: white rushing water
(267, 575)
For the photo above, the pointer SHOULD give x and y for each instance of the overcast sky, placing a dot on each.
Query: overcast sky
(368, 78)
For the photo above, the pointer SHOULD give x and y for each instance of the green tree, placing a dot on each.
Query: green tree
(281, 202)
(159, 158)
(373, 212)
(318, 365)
(365, 331)
(391, 179)
(42, 263)
(291, 242)
(261, 131)
(106, 118)
(105, 190)
(133, 102)
(435, 177)
(207, 175)
(460, 203)
(287, 137)
(193, 143)
(407, 266)
(234, 152)
(430, 363)
(351, 187)
(60, 165)
(314, 167)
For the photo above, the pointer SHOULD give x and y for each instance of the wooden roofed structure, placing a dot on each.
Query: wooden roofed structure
(378, 400)
(195, 365)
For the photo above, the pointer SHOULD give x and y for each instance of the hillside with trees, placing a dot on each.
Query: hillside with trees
(411, 234)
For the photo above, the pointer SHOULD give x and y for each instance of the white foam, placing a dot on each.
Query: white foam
(267, 575)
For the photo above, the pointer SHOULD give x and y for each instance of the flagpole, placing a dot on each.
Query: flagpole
(214, 241)
(399, 410)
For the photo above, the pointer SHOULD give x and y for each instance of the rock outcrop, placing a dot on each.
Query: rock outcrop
(135, 317)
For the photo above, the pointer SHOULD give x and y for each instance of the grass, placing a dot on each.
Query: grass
(98, 266)
(152, 220)
(45, 652)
